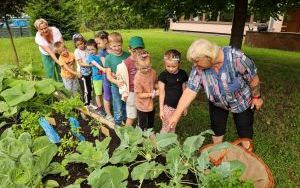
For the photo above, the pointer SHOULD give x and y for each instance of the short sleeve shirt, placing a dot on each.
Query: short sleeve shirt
(41, 41)
(112, 61)
(96, 73)
(81, 55)
(144, 83)
(131, 68)
(230, 87)
(173, 86)
(103, 53)
(70, 62)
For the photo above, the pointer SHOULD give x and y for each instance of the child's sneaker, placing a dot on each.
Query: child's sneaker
(101, 111)
(109, 118)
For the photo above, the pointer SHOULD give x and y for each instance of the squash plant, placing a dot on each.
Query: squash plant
(18, 91)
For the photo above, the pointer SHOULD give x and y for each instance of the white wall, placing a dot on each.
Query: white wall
(222, 28)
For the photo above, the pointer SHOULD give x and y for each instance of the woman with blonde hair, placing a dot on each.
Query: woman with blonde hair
(230, 81)
(46, 37)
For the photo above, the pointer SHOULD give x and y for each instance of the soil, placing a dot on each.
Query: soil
(77, 170)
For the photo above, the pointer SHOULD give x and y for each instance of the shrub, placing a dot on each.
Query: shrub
(61, 14)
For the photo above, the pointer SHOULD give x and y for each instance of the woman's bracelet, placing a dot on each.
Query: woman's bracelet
(256, 97)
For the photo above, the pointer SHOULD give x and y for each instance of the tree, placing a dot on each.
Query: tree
(238, 23)
(59, 13)
(117, 14)
(12, 8)
(262, 9)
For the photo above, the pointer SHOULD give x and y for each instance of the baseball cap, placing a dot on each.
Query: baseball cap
(136, 42)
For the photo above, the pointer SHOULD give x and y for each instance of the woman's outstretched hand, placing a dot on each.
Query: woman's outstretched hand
(257, 103)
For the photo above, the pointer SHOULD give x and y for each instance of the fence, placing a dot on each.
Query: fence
(16, 32)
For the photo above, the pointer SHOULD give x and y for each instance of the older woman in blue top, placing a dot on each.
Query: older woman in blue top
(230, 81)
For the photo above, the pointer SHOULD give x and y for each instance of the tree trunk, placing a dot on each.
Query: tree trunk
(12, 43)
(238, 23)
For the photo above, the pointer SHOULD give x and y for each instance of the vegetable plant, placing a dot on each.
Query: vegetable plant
(67, 106)
(25, 161)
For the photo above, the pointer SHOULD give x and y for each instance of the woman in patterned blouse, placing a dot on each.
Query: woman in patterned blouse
(230, 81)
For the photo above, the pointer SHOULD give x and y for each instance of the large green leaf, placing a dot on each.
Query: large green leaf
(94, 157)
(56, 168)
(43, 151)
(8, 133)
(192, 144)
(129, 136)
(165, 141)
(3, 106)
(10, 112)
(12, 82)
(124, 155)
(25, 138)
(109, 177)
(103, 145)
(203, 162)
(26, 160)
(19, 93)
(6, 165)
(175, 165)
(147, 171)
(12, 147)
(20, 175)
(6, 70)
(46, 86)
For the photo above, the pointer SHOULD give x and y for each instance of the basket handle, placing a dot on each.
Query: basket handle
(240, 140)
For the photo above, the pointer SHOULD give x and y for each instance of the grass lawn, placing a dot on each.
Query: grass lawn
(277, 125)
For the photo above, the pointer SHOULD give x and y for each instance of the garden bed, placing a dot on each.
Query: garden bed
(78, 170)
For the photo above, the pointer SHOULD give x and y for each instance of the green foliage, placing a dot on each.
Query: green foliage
(12, 7)
(67, 106)
(18, 91)
(61, 14)
(216, 178)
(95, 127)
(24, 162)
(147, 170)
(176, 165)
(281, 88)
(29, 123)
(165, 141)
(93, 156)
(109, 177)
(102, 15)
(67, 144)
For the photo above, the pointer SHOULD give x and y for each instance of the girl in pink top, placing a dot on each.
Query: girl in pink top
(145, 87)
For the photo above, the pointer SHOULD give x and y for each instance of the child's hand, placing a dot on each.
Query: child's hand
(154, 93)
(185, 112)
(120, 83)
(161, 115)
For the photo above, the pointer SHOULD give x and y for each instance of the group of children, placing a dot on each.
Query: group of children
(125, 79)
